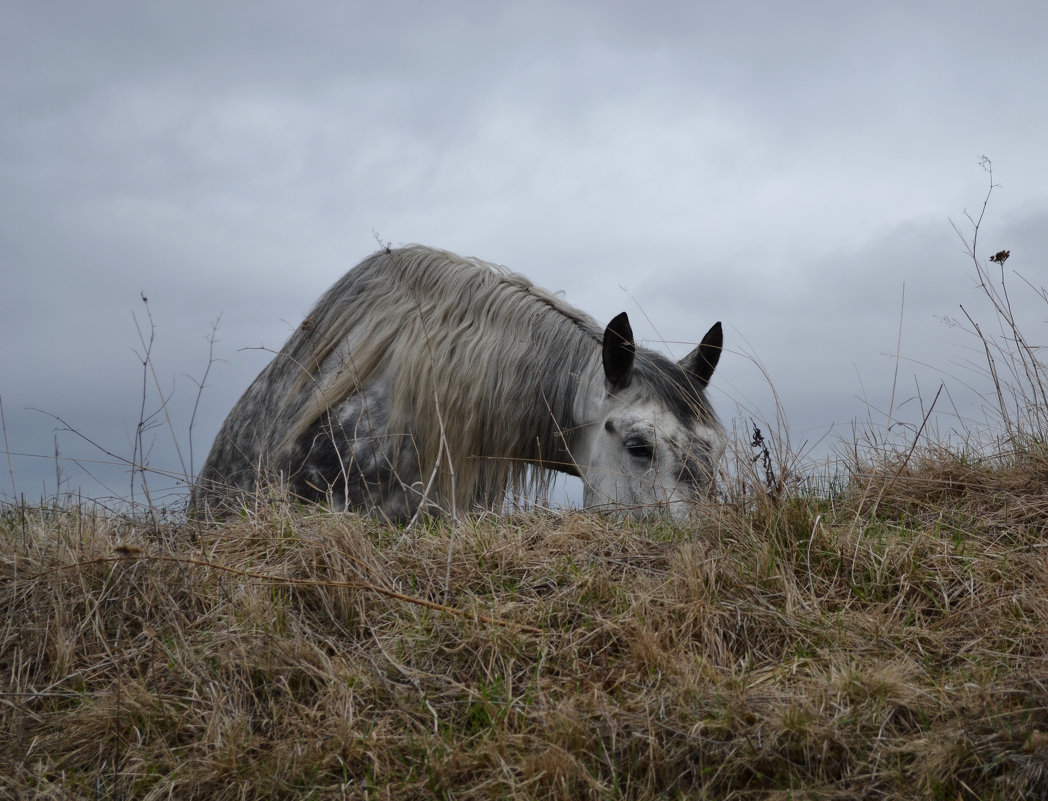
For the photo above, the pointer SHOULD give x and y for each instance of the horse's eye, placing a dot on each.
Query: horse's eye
(640, 449)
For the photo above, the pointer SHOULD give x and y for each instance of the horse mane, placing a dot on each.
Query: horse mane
(482, 364)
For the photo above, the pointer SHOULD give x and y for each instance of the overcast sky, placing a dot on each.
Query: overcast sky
(787, 168)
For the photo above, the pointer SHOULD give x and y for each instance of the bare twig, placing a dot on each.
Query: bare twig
(7, 450)
(200, 390)
(149, 368)
(898, 353)
(909, 455)
(1011, 353)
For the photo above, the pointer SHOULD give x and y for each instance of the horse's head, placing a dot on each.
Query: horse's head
(655, 442)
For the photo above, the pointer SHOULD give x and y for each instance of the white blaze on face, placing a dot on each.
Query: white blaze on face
(644, 460)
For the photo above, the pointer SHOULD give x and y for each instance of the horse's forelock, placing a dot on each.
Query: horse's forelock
(670, 385)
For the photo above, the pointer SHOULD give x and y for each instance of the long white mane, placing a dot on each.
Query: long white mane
(482, 366)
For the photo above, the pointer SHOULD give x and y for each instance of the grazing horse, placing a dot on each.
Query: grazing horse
(425, 380)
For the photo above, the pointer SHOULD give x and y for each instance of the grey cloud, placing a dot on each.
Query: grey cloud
(784, 168)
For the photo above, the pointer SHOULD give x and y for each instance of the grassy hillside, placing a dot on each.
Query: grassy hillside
(888, 641)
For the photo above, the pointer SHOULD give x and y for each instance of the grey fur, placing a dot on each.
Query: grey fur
(418, 358)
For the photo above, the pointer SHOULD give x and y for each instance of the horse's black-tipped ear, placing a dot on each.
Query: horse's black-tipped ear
(702, 361)
(618, 352)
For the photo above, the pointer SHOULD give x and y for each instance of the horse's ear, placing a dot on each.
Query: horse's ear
(618, 352)
(702, 361)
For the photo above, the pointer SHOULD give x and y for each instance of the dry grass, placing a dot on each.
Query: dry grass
(794, 649)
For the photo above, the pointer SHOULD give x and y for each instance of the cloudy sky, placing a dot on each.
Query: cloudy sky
(788, 168)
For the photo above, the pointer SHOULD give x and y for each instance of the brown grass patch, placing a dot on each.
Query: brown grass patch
(800, 649)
